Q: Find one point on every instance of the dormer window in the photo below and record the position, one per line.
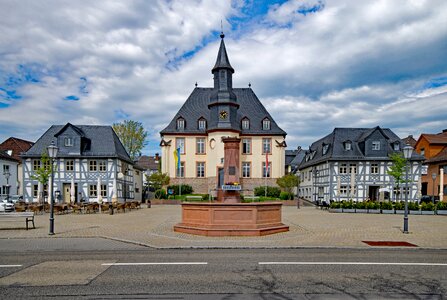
(202, 124)
(180, 123)
(375, 145)
(325, 148)
(68, 142)
(266, 124)
(347, 145)
(245, 124)
(396, 146)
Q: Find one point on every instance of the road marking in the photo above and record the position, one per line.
(155, 264)
(10, 266)
(348, 263)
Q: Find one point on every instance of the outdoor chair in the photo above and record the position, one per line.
(120, 207)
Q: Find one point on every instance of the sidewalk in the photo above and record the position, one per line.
(309, 227)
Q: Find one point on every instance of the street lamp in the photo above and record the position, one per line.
(433, 176)
(408, 151)
(52, 153)
(7, 175)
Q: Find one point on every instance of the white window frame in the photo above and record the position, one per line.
(68, 142)
(102, 166)
(246, 169)
(181, 123)
(180, 143)
(92, 190)
(69, 165)
(92, 166)
(200, 169)
(246, 146)
(266, 145)
(202, 124)
(374, 168)
(245, 124)
(375, 145)
(200, 145)
(269, 171)
(266, 124)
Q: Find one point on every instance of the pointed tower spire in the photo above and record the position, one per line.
(222, 60)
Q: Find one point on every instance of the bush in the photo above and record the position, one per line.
(441, 205)
(186, 189)
(399, 205)
(372, 205)
(360, 205)
(272, 191)
(347, 204)
(335, 204)
(427, 206)
(160, 194)
(285, 196)
(413, 206)
(387, 205)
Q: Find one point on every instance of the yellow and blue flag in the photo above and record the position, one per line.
(177, 157)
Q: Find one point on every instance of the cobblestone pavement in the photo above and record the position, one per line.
(309, 227)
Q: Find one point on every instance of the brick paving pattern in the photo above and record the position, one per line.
(309, 227)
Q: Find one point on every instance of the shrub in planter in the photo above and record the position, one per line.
(427, 206)
(272, 191)
(335, 205)
(347, 204)
(413, 206)
(186, 189)
(160, 194)
(441, 205)
(399, 205)
(386, 205)
(285, 196)
(372, 205)
(360, 205)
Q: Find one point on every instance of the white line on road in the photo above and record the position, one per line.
(155, 264)
(10, 266)
(348, 263)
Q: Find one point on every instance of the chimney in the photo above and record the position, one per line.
(157, 157)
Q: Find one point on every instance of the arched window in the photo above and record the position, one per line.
(201, 124)
(266, 124)
(180, 123)
(245, 124)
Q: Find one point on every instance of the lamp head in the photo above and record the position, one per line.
(52, 150)
(408, 151)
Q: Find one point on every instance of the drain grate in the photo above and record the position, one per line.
(389, 244)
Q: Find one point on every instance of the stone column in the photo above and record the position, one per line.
(441, 184)
(231, 167)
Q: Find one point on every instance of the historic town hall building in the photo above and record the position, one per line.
(222, 111)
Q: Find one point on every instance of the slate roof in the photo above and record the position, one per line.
(196, 106)
(148, 162)
(356, 136)
(103, 142)
(222, 60)
(410, 141)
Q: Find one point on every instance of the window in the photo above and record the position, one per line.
(348, 146)
(343, 169)
(396, 146)
(266, 146)
(375, 145)
(181, 172)
(245, 124)
(69, 165)
(246, 166)
(104, 190)
(266, 173)
(92, 191)
(36, 164)
(246, 146)
(266, 124)
(343, 190)
(180, 123)
(353, 168)
(180, 143)
(92, 166)
(200, 145)
(102, 166)
(423, 151)
(374, 168)
(325, 148)
(201, 169)
(6, 169)
(68, 142)
(202, 124)
(35, 190)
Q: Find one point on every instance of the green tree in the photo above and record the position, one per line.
(158, 180)
(397, 169)
(132, 135)
(43, 173)
(288, 183)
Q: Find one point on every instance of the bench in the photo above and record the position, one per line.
(197, 198)
(252, 198)
(13, 216)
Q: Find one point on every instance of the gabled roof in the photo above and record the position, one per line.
(148, 162)
(440, 157)
(196, 106)
(6, 156)
(17, 146)
(440, 138)
(357, 136)
(103, 143)
(75, 128)
(409, 140)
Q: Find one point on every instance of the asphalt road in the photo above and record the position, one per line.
(101, 269)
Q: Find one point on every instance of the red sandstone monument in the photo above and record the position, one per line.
(228, 216)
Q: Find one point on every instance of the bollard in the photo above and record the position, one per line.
(148, 203)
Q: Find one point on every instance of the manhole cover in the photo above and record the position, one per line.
(389, 244)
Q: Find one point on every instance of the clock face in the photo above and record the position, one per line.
(223, 114)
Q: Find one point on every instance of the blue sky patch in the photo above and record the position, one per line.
(71, 98)
(306, 9)
(435, 82)
(120, 114)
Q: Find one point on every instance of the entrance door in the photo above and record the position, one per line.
(424, 188)
(373, 192)
(220, 178)
(66, 192)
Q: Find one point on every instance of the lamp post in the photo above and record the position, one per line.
(7, 175)
(52, 153)
(433, 176)
(408, 151)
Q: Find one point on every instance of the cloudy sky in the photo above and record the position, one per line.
(315, 65)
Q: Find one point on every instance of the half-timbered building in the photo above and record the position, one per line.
(352, 164)
(91, 165)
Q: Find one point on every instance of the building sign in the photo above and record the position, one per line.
(424, 170)
(230, 187)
